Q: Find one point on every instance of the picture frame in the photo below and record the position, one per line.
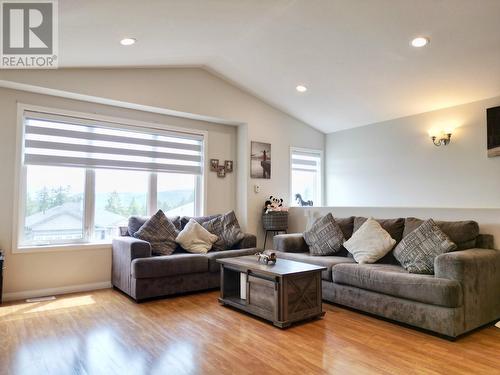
(228, 166)
(260, 160)
(214, 165)
(221, 172)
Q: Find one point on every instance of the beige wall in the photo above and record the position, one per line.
(32, 271)
(190, 90)
(395, 164)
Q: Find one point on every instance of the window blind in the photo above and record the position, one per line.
(306, 161)
(69, 141)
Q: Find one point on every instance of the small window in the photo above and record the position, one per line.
(306, 181)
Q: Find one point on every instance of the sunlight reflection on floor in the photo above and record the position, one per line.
(16, 311)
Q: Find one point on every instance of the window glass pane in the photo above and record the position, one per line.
(306, 179)
(118, 195)
(304, 183)
(176, 194)
(54, 205)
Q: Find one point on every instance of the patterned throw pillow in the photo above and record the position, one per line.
(324, 237)
(370, 242)
(417, 251)
(136, 222)
(227, 228)
(160, 232)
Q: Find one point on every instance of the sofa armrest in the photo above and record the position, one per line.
(124, 250)
(131, 247)
(484, 241)
(478, 271)
(249, 241)
(290, 243)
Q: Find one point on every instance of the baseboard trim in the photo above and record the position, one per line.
(56, 291)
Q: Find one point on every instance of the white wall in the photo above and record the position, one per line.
(190, 90)
(395, 164)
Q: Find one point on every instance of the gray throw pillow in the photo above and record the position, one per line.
(136, 222)
(417, 251)
(324, 237)
(160, 232)
(227, 228)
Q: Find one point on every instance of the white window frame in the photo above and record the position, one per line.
(20, 179)
(321, 173)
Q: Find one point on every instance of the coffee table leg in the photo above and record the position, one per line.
(282, 324)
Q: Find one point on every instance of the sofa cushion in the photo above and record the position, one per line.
(417, 251)
(326, 261)
(200, 219)
(227, 228)
(463, 233)
(212, 256)
(346, 224)
(160, 232)
(170, 265)
(324, 237)
(370, 242)
(395, 281)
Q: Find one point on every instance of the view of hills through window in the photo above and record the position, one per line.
(55, 201)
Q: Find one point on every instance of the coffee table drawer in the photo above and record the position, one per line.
(262, 295)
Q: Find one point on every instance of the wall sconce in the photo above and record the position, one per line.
(443, 140)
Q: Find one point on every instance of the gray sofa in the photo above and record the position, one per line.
(463, 294)
(138, 273)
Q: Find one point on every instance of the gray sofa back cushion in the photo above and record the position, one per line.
(346, 225)
(463, 233)
(394, 227)
(200, 219)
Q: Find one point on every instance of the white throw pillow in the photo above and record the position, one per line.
(196, 239)
(370, 242)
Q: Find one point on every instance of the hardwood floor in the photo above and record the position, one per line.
(104, 332)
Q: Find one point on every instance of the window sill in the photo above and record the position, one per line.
(63, 248)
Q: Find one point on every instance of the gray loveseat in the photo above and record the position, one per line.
(463, 294)
(141, 275)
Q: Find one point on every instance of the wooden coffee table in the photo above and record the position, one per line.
(283, 293)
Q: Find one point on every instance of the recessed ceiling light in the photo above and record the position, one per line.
(301, 88)
(420, 42)
(127, 41)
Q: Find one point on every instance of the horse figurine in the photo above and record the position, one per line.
(302, 202)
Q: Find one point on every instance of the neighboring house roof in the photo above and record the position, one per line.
(70, 216)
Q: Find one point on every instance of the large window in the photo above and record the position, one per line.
(81, 179)
(305, 176)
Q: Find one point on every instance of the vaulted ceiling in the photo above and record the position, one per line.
(354, 56)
